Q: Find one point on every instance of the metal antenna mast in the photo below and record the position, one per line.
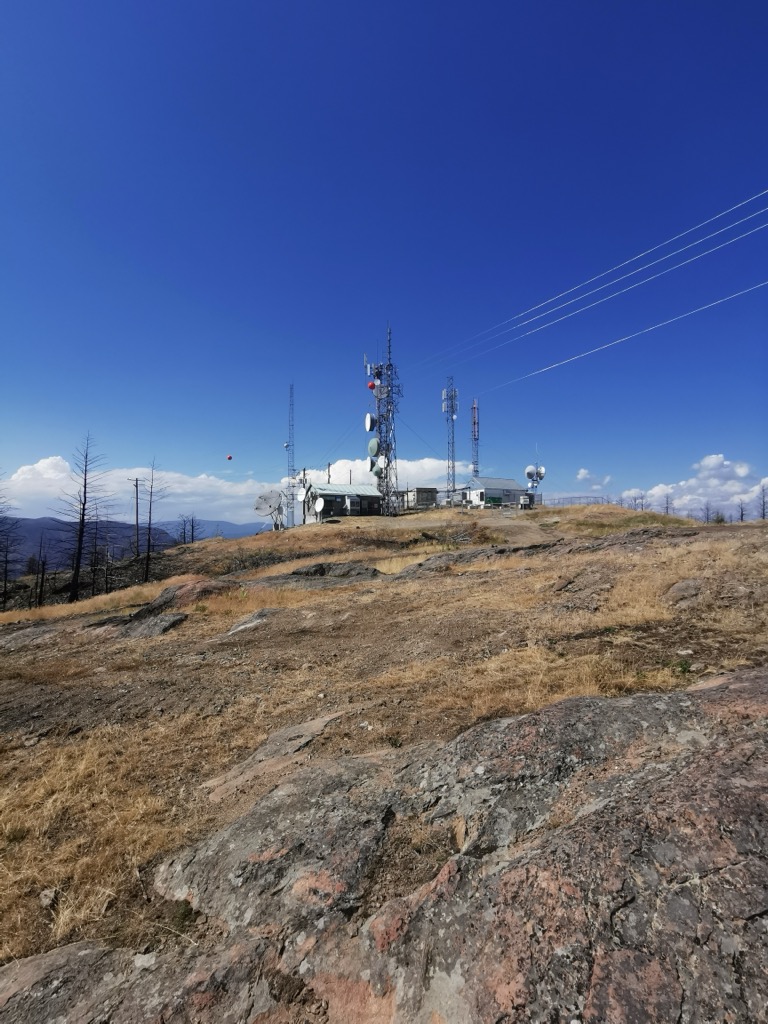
(475, 438)
(291, 492)
(382, 451)
(451, 409)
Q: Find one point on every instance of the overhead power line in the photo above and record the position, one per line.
(619, 266)
(627, 337)
(613, 295)
(638, 270)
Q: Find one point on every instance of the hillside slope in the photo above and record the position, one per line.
(135, 723)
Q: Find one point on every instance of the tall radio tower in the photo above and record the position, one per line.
(451, 410)
(475, 438)
(291, 492)
(382, 450)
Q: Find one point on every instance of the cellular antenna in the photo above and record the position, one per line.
(475, 438)
(382, 450)
(451, 410)
(289, 447)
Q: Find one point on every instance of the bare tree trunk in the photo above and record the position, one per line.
(82, 505)
(153, 493)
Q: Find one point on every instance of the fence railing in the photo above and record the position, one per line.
(585, 499)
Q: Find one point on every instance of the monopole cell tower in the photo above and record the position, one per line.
(382, 449)
(451, 410)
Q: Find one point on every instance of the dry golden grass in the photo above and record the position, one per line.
(82, 817)
(246, 600)
(424, 656)
(597, 520)
(117, 601)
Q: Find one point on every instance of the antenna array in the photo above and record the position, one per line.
(382, 450)
(451, 410)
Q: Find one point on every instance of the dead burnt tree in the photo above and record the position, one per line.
(83, 505)
(196, 530)
(181, 536)
(190, 529)
(42, 565)
(10, 544)
(153, 492)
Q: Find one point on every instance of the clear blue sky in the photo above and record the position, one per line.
(202, 202)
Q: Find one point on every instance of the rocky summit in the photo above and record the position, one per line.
(600, 861)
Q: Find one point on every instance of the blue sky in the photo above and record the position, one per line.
(202, 203)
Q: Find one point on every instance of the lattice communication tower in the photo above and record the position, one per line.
(451, 410)
(382, 449)
(475, 438)
(290, 493)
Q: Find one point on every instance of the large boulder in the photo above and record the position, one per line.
(601, 861)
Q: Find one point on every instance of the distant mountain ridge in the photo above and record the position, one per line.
(53, 539)
(216, 528)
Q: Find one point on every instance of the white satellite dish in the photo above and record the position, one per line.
(319, 504)
(530, 472)
(370, 422)
(301, 494)
(541, 472)
(373, 447)
(267, 503)
(271, 504)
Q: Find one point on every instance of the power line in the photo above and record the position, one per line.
(619, 266)
(605, 298)
(423, 440)
(638, 270)
(627, 337)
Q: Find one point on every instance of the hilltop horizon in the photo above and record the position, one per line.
(724, 483)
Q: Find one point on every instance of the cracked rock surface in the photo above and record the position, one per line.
(600, 861)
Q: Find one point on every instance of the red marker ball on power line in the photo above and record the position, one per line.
(371, 385)
(229, 458)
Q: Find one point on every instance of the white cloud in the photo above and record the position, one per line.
(36, 490)
(596, 482)
(410, 472)
(722, 483)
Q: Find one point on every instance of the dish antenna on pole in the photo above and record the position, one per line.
(271, 504)
(535, 474)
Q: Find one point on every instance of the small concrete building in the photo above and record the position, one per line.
(489, 491)
(418, 497)
(330, 501)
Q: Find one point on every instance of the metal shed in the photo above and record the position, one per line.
(485, 491)
(327, 501)
(418, 497)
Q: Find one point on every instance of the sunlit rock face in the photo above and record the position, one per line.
(598, 861)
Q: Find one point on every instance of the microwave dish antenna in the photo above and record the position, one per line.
(271, 505)
(535, 474)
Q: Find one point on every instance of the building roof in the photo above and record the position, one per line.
(346, 490)
(494, 483)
